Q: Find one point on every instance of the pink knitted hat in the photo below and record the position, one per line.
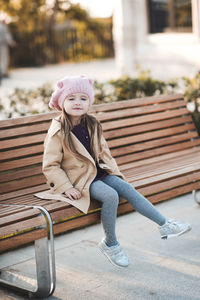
(71, 85)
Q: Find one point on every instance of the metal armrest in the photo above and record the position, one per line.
(194, 192)
(45, 264)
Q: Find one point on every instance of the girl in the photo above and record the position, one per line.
(77, 163)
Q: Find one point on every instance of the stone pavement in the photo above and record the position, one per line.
(159, 269)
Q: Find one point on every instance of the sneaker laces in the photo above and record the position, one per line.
(174, 224)
(116, 251)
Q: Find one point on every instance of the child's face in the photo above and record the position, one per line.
(77, 104)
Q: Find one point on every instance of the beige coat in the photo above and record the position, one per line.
(63, 170)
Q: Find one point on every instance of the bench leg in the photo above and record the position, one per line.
(45, 267)
(194, 193)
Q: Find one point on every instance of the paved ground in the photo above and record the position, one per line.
(159, 270)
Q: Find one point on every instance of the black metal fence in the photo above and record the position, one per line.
(67, 44)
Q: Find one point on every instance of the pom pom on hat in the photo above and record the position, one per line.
(71, 85)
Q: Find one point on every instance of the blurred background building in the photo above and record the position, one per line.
(149, 29)
(154, 34)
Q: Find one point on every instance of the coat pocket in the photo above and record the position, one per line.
(71, 164)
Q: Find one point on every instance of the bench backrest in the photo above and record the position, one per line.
(135, 130)
(147, 127)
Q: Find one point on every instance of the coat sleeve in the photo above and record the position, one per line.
(56, 177)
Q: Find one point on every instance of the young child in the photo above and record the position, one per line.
(77, 163)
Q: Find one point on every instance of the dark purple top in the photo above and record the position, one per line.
(82, 134)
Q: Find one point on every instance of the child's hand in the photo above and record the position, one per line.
(73, 194)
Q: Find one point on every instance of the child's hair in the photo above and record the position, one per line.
(90, 123)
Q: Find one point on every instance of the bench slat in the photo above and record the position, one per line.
(152, 176)
(22, 215)
(23, 183)
(171, 123)
(163, 177)
(148, 109)
(27, 140)
(142, 177)
(21, 226)
(23, 162)
(163, 186)
(18, 174)
(15, 153)
(24, 130)
(143, 119)
(166, 164)
(27, 191)
(28, 120)
(181, 190)
(11, 212)
(151, 144)
(165, 157)
(152, 135)
(31, 200)
(7, 215)
(20, 240)
(135, 102)
(156, 152)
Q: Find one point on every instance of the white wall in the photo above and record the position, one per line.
(196, 17)
(131, 38)
(129, 31)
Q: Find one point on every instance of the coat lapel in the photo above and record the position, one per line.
(55, 126)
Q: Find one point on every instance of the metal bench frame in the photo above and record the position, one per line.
(197, 200)
(45, 263)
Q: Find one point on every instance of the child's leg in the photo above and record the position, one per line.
(109, 199)
(140, 203)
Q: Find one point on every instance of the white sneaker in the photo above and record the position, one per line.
(115, 254)
(172, 228)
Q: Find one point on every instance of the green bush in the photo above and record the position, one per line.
(192, 95)
(25, 102)
(129, 88)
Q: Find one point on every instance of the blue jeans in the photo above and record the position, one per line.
(108, 191)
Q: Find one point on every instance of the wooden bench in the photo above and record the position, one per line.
(155, 144)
